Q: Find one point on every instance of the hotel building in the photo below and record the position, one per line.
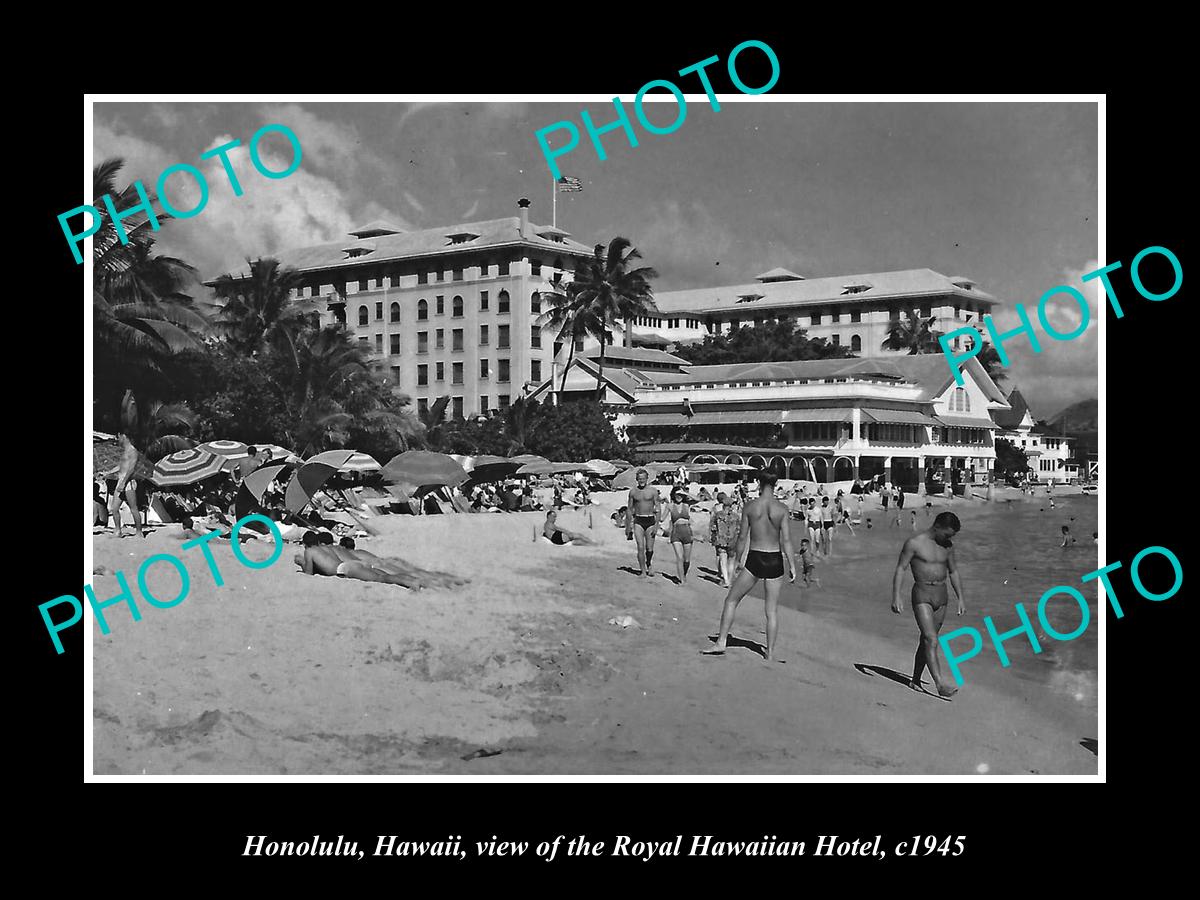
(445, 311)
(1050, 456)
(827, 420)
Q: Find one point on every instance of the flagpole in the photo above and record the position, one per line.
(553, 202)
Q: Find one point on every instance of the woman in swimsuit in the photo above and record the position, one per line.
(680, 513)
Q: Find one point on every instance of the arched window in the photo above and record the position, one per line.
(422, 308)
(456, 307)
(960, 400)
(535, 302)
(395, 312)
(502, 302)
(856, 343)
(364, 315)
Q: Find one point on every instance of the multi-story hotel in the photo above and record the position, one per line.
(826, 420)
(445, 311)
(855, 311)
(1050, 456)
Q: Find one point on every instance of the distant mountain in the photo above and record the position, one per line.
(1083, 416)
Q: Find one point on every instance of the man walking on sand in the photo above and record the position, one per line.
(930, 554)
(764, 526)
(644, 512)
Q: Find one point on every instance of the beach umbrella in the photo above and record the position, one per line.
(467, 462)
(529, 459)
(492, 468)
(227, 449)
(257, 481)
(628, 478)
(186, 467)
(423, 467)
(360, 462)
(601, 467)
(310, 476)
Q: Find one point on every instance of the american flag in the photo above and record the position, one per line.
(566, 183)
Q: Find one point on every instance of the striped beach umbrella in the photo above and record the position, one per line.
(422, 468)
(230, 449)
(310, 476)
(361, 462)
(601, 467)
(186, 467)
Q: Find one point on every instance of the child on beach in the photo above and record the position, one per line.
(808, 563)
(1067, 537)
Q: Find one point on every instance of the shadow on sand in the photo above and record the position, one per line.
(893, 675)
(732, 642)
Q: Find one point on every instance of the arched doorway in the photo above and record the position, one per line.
(820, 468)
(734, 459)
(778, 466)
(798, 469)
(843, 469)
(704, 459)
(757, 462)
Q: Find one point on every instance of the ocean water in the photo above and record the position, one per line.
(1007, 553)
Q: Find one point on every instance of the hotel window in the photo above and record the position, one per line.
(483, 269)
(578, 344)
(893, 314)
(422, 376)
(535, 337)
(502, 269)
(836, 317)
(379, 343)
(439, 275)
(535, 267)
(422, 341)
(441, 304)
(312, 291)
(362, 284)
(458, 276)
(535, 370)
(378, 312)
(502, 302)
(856, 315)
(422, 310)
(456, 307)
(837, 340)
(926, 312)
(483, 368)
(364, 315)
(422, 278)
(502, 341)
(502, 375)
(458, 407)
(535, 302)
(395, 312)
(816, 318)
(456, 373)
(856, 343)
(483, 404)
(503, 401)
(483, 335)
(441, 371)
(395, 375)
(396, 280)
(441, 338)
(483, 301)
(395, 344)
(456, 339)
(423, 404)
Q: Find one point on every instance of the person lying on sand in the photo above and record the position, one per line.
(320, 559)
(560, 536)
(397, 566)
(930, 554)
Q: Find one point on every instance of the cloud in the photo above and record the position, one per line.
(1064, 372)
(301, 210)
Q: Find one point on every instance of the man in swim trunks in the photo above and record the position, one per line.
(930, 554)
(764, 527)
(644, 512)
(560, 536)
(827, 523)
(323, 559)
(126, 489)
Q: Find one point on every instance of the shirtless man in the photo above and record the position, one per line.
(931, 556)
(644, 511)
(126, 488)
(397, 566)
(556, 535)
(765, 527)
(323, 559)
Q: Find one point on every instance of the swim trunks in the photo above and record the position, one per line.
(681, 533)
(939, 598)
(341, 569)
(645, 522)
(558, 538)
(765, 563)
(827, 524)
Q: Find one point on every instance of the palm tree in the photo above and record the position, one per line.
(258, 308)
(519, 422)
(990, 360)
(914, 334)
(140, 310)
(433, 417)
(153, 428)
(573, 318)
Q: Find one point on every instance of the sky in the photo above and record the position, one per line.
(1005, 194)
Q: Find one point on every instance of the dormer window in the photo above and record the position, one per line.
(462, 237)
(856, 287)
(749, 298)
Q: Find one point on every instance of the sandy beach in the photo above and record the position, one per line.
(276, 672)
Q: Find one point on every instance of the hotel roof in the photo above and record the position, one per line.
(815, 291)
(637, 354)
(386, 247)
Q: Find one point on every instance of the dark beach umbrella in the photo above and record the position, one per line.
(187, 467)
(492, 468)
(309, 478)
(422, 468)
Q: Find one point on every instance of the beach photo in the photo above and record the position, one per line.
(424, 444)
